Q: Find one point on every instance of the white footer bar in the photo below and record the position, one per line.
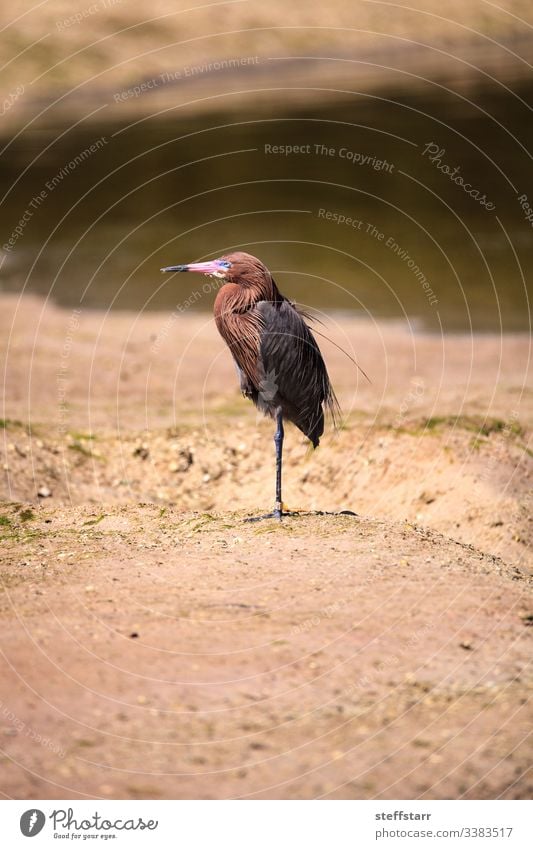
(268, 824)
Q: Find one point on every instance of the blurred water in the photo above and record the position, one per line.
(97, 224)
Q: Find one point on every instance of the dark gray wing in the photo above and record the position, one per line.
(292, 371)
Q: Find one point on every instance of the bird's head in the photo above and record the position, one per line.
(239, 267)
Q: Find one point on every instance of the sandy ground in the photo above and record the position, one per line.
(156, 645)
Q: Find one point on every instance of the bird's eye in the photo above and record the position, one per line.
(225, 263)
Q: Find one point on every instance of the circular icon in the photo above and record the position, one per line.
(32, 822)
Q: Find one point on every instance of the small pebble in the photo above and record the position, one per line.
(142, 451)
(106, 789)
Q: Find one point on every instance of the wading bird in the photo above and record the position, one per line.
(278, 360)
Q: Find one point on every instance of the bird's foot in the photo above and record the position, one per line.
(279, 512)
(334, 513)
(276, 514)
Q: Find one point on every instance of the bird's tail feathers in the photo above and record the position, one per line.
(311, 448)
(333, 408)
(346, 354)
(315, 319)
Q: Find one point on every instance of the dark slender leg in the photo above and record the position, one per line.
(278, 509)
(278, 442)
(277, 513)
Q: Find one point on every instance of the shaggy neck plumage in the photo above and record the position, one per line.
(239, 297)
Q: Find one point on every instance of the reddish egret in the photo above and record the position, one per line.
(278, 360)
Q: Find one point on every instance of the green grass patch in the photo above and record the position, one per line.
(6, 424)
(81, 449)
(92, 522)
(10, 523)
(78, 435)
(84, 450)
(475, 424)
(198, 522)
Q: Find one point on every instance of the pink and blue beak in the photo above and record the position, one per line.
(214, 266)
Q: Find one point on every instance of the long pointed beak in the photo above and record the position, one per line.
(210, 267)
